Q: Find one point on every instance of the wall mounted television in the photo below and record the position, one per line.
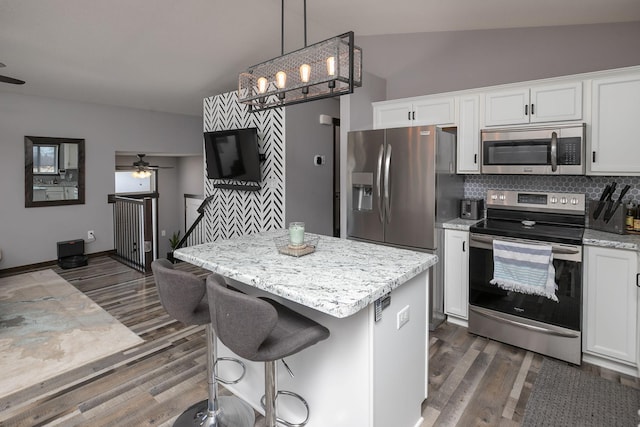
(232, 154)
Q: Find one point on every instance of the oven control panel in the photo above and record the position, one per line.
(536, 201)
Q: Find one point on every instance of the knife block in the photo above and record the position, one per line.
(616, 223)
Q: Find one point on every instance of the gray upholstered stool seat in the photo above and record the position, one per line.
(183, 296)
(261, 330)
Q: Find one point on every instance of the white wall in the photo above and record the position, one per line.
(29, 235)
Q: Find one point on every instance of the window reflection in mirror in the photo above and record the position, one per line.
(54, 171)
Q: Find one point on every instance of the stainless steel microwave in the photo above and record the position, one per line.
(554, 150)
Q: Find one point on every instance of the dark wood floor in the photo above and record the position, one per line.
(472, 381)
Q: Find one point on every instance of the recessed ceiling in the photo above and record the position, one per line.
(167, 55)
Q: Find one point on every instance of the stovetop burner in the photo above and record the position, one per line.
(540, 231)
(550, 217)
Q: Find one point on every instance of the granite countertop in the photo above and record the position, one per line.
(340, 278)
(611, 240)
(460, 224)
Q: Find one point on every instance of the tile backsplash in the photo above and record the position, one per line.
(476, 186)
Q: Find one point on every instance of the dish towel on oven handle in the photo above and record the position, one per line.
(524, 268)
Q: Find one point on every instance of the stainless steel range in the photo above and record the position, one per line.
(533, 322)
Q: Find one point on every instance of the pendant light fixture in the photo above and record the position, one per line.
(329, 68)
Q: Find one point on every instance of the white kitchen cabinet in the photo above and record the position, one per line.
(547, 103)
(55, 193)
(468, 140)
(610, 304)
(70, 153)
(456, 273)
(417, 112)
(615, 140)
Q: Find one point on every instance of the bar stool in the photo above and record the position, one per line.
(262, 330)
(183, 296)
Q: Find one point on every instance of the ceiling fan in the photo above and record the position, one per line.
(11, 80)
(141, 168)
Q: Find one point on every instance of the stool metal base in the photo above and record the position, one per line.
(232, 412)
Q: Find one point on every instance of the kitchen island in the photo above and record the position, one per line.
(369, 373)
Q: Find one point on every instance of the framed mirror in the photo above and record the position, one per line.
(53, 171)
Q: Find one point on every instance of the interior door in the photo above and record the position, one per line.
(410, 206)
(365, 150)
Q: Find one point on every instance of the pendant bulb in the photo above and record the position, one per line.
(305, 73)
(262, 85)
(281, 79)
(331, 65)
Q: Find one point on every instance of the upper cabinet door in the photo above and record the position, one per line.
(469, 135)
(434, 111)
(510, 107)
(392, 115)
(418, 112)
(615, 140)
(556, 103)
(549, 103)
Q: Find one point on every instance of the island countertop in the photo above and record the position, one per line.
(340, 278)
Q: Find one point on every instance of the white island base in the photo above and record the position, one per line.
(366, 374)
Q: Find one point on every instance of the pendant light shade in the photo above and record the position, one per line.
(329, 68)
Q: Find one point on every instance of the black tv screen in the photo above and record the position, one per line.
(232, 154)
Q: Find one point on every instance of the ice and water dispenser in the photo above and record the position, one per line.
(362, 191)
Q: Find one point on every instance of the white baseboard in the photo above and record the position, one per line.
(610, 364)
(457, 321)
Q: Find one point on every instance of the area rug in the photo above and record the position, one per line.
(566, 396)
(48, 327)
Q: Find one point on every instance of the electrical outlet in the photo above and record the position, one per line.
(91, 235)
(402, 317)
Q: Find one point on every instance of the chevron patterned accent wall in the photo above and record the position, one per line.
(235, 213)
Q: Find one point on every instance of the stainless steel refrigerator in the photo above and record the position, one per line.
(401, 187)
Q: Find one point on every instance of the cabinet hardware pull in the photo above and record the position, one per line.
(593, 156)
(526, 110)
(414, 115)
(638, 280)
(532, 113)
(408, 115)
(463, 249)
(475, 159)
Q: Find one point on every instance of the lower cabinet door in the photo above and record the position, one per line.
(456, 273)
(610, 316)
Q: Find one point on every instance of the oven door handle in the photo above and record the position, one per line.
(524, 325)
(481, 238)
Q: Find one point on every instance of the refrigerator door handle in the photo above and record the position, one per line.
(379, 183)
(387, 183)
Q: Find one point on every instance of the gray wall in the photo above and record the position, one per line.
(309, 194)
(29, 235)
(429, 63)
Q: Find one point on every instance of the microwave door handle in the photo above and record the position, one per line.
(379, 183)
(554, 151)
(387, 183)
